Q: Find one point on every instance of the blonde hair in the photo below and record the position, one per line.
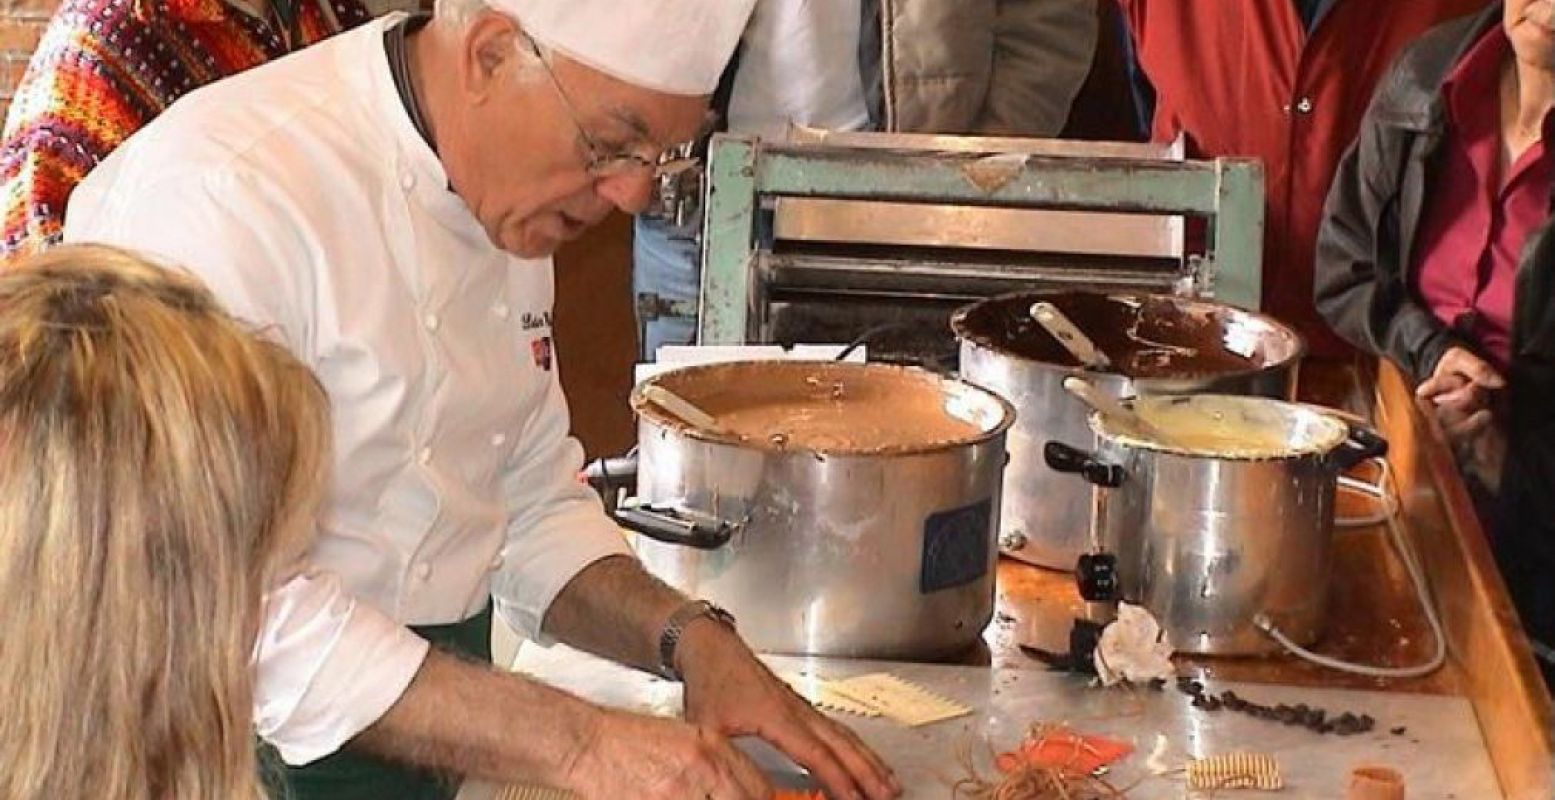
(159, 468)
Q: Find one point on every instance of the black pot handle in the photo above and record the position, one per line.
(1363, 443)
(676, 526)
(1063, 458)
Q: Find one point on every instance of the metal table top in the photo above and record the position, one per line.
(1440, 753)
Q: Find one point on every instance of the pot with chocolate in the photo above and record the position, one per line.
(835, 509)
(1151, 345)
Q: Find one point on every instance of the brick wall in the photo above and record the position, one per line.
(21, 22)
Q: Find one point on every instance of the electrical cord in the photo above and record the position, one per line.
(871, 333)
(1383, 491)
(1387, 506)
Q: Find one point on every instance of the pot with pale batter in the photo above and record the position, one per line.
(1223, 515)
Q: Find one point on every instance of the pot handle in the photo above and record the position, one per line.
(678, 526)
(1363, 443)
(1063, 458)
(605, 475)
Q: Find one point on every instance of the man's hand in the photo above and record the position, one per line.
(629, 755)
(731, 692)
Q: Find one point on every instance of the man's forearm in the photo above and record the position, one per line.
(474, 720)
(615, 609)
(471, 719)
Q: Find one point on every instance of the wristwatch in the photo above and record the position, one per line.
(669, 638)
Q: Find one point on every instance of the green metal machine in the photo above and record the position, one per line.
(818, 240)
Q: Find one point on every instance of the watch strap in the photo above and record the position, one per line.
(675, 627)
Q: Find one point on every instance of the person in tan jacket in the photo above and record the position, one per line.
(1008, 67)
(996, 67)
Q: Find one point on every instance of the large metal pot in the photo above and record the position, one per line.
(1224, 517)
(1159, 345)
(854, 508)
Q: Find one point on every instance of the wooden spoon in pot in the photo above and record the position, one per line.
(1068, 334)
(1109, 407)
(680, 407)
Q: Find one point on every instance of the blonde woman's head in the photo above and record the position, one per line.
(159, 469)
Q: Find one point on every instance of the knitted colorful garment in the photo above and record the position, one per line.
(104, 68)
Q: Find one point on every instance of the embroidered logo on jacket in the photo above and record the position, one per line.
(541, 350)
(532, 320)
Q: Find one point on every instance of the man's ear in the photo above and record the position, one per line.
(490, 42)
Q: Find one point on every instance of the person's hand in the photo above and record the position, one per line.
(1478, 442)
(1461, 393)
(1461, 389)
(630, 755)
(729, 690)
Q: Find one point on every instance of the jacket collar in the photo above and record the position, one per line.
(417, 168)
(1411, 96)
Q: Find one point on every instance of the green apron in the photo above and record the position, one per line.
(352, 776)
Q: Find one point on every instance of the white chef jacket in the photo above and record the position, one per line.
(304, 197)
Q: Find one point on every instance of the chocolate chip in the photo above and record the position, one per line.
(1399, 731)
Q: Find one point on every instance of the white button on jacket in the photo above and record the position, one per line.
(282, 188)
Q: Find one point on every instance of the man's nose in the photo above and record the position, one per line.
(631, 191)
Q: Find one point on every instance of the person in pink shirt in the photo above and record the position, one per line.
(1434, 253)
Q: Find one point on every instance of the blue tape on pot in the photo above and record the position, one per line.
(956, 545)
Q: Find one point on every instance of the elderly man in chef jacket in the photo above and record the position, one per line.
(386, 203)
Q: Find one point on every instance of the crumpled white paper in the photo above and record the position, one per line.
(1134, 649)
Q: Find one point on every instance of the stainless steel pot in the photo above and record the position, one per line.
(1210, 537)
(877, 544)
(1159, 345)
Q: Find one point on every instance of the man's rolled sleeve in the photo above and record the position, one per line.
(327, 667)
(560, 527)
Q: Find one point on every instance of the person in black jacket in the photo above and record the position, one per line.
(1436, 252)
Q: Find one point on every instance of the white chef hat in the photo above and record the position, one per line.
(671, 46)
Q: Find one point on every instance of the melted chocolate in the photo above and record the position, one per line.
(1144, 335)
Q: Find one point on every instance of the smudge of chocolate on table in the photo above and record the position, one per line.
(1129, 329)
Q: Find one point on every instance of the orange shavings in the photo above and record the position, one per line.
(1061, 749)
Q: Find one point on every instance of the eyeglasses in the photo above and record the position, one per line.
(603, 163)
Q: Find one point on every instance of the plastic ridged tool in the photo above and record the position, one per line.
(1235, 771)
(819, 692)
(900, 700)
(522, 792)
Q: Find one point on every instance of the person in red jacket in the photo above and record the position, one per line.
(1286, 81)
